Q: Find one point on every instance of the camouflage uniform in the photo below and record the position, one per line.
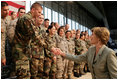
(4, 24)
(62, 44)
(7, 44)
(11, 30)
(43, 27)
(24, 33)
(37, 59)
(9, 39)
(88, 44)
(84, 49)
(78, 49)
(49, 62)
(71, 49)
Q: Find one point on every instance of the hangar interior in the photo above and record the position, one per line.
(82, 15)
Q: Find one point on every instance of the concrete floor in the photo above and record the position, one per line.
(86, 76)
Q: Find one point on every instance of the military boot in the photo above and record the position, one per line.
(52, 76)
(70, 76)
(40, 76)
(81, 71)
(76, 74)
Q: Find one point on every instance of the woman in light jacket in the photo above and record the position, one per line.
(101, 59)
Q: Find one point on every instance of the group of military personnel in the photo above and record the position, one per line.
(30, 42)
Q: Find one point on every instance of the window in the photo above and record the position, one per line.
(64, 20)
(55, 16)
(69, 22)
(61, 19)
(49, 15)
(77, 26)
(86, 28)
(81, 27)
(45, 14)
(73, 24)
(89, 32)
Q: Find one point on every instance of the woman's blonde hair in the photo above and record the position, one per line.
(102, 33)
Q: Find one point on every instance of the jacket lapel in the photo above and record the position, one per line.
(99, 53)
(92, 54)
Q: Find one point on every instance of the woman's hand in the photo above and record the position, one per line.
(57, 51)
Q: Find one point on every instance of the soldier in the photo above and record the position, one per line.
(71, 49)
(84, 49)
(78, 50)
(4, 23)
(26, 30)
(45, 25)
(62, 44)
(74, 33)
(66, 27)
(78, 31)
(13, 15)
(87, 40)
(50, 59)
(21, 11)
(11, 28)
(10, 35)
(37, 51)
(88, 44)
(56, 25)
(52, 23)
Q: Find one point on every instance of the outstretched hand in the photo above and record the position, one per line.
(3, 61)
(57, 51)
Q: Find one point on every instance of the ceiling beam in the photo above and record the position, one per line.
(91, 8)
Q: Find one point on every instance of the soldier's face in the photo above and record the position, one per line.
(37, 12)
(83, 37)
(4, 11)
(14, 16)
(72, 34)
(41, 19)
(67, 27)
(21, 12)
(57, 26)
(52, 30)
(68, 34)
(77, 36)
(46, 23)
(78, 31)
(61, 32)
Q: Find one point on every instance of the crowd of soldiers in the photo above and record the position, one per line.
(28, 41)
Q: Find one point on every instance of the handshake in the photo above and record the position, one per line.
(57, 51)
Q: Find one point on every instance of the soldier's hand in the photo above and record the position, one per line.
(54, 58)
(3, 61)
(59, 52)
(53, 50)
(2, 30)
